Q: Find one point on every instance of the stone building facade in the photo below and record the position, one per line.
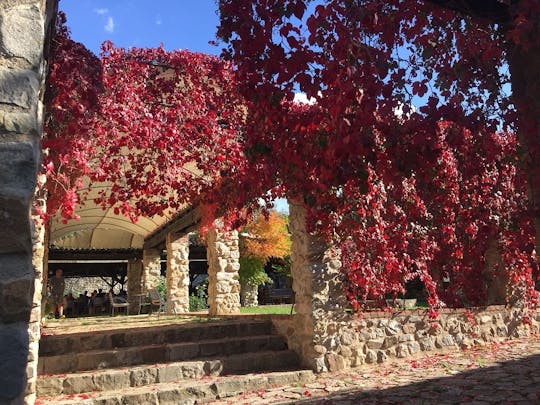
(24, 27)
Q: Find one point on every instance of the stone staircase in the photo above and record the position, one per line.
(187, 363)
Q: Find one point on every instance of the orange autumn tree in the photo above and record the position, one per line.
(262, 238)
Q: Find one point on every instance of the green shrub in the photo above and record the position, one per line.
(252, 271)
(162, 287)
(198, 301)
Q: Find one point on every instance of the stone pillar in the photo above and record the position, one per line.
(134, 284)
(177, 274)
(249, 295)
(151, 268)
(223, 265)
(495, 275)
(23, 28)
(39, 259)
(319, 298)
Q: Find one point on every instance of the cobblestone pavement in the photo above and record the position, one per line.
(503, 373)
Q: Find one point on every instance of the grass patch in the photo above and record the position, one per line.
(267, 309)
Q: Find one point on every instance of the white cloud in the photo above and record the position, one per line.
(109, 27)
(301, 98)
(101, 11)
(159, 21)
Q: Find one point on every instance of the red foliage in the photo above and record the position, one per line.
(161, 128)
(420, 193)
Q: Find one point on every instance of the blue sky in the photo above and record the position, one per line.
(178, 24)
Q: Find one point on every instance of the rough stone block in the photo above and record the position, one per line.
(413, 347)
(15, 236)
(16, 300)
(375, 343)
(345, 351)
(174, 396)
(18, 87)
(348, 337)
(21, 32)
(427, 344)
(393, 328)
(137, 398)
(169, 373)
(485, 319)
(371, 357)
(228, 387)
(406, 338)
(444, 341)
(19, 122)
(381, 357)
(390, 341)
(143, 376)
(335, 362)
(50, 386)
(183, 351)
(79, 383)
(409, 328)
(13, 358)
(112, 380)
(402, 350)
(213, 367)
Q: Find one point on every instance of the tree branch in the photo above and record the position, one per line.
(493, 10)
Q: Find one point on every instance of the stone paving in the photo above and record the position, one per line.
(505, 373)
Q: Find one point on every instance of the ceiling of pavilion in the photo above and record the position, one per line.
(103, 229)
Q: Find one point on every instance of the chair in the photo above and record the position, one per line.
(117, 302)
(157, 301)
(143, 301)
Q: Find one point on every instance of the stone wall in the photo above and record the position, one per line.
(134, 285)
(78, 285)
(378, 336)
(327, 338)
(151, 268)
(223, 265)
(177, 274)
(23, 28)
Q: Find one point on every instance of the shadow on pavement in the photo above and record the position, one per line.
(509, 382)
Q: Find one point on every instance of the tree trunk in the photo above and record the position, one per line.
(525, 67)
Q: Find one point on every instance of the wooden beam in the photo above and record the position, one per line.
(56, 254)
(185, 222)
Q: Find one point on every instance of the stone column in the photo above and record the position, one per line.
(319, 298)
(249, 295)
(495, 275)
(23, 28)
(134, 284)
(151, 268)
(223, 265)
(177, 273)
(39, 259)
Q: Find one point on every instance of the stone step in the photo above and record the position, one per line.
(160, 353)
(171, 381)
(111, 339)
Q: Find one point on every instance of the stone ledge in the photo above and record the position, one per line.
(211, 387)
